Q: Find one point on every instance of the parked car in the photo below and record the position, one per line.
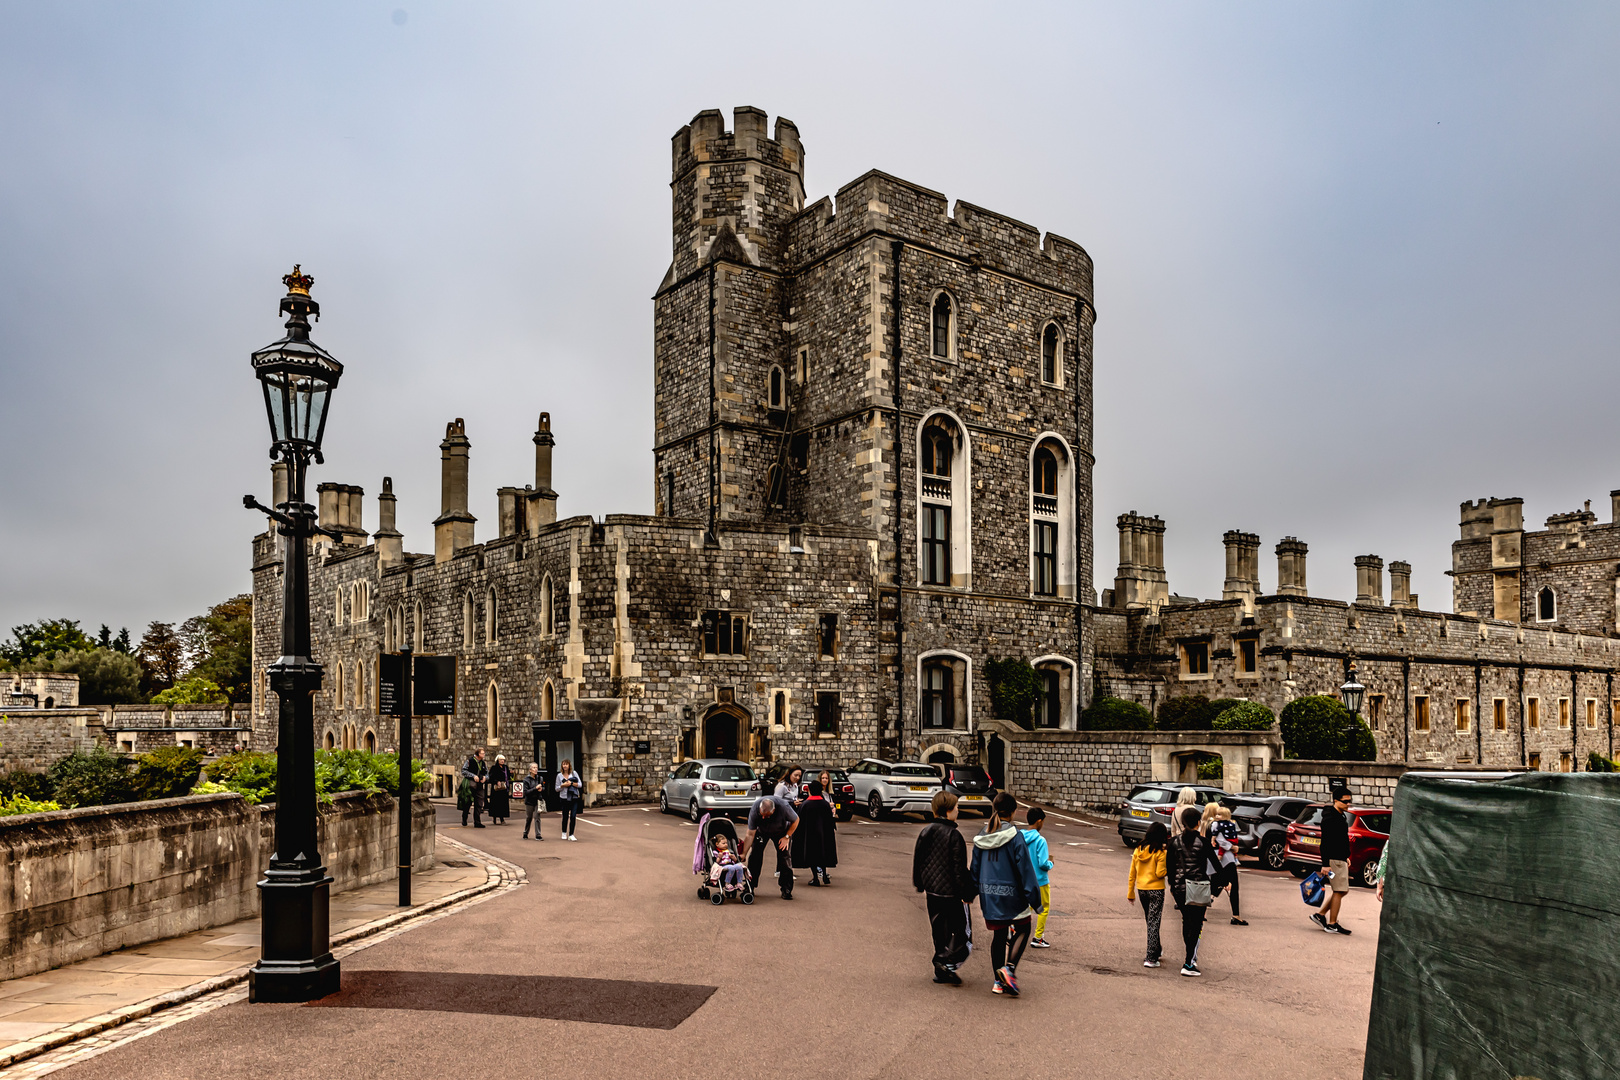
(709, 786)
(1262, 823)
(897, 787)
(970, 784)
(1148, 803)
(1369, 832)
(842, 794)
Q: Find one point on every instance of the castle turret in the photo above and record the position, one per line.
(1291, 567)
(1242, 567)
(734, 191)
(542, 500)
(390, 542)
(1369, 580)
(453, 528)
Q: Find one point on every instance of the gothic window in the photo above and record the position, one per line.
(467, 623)
(547, 625)
(371, 741)
(944, 512)
(827, 636)
(776, 396)
(1044, 475)
(1052, 571)
(491, 623)
(337, 687)
(492, 719)
(330, 740)
(337, 607)
(1051, 355)
(937, 451)
(944, 326)
(936, 544)
(803, 372)
(418, 633)
(725, 633)
(1546, 605)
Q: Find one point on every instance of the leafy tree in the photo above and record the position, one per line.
(1190, 712)
(106, 676)
(161, 656)
(1115, 714)
(1245, 716)
(106, 640)
(1014, 689)
(1320, 728)
(224, 639)
(121, 642)
(167, 772)
(46, 638)
(96, 778)
(192, 691)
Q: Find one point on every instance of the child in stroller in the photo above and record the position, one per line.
(716, 861)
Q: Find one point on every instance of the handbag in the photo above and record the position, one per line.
(1198, 893)
(1312, 888)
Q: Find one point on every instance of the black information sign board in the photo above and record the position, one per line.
(435, 686)
(643, 746)
(390, 684)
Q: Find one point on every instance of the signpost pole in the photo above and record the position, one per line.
(406, 768)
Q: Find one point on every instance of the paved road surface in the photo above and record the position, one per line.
(835, 983)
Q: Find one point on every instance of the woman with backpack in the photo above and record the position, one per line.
(1009, 893)
(1187, 862)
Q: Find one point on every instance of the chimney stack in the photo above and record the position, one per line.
(543, 500)
(1369, 580)
(326, 508)
(1400, 585)
(514, 509)
(278, 484)
(1140, 580)
(453, 528)
(390, 543)
(1242, 568)
(1291, 567)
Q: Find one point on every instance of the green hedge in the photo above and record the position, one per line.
(1115, 714)
(1245, 716)
(1320, 728)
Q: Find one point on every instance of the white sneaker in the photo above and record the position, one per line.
(1150, 963)
(571, 836)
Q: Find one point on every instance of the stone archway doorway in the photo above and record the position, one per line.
(724, 728)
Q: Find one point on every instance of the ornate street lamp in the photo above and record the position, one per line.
(295, 959)
(1351, 693)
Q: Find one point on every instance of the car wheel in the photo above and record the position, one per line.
(1366, 874)
(695, 812)
(1273, 855)
(874, 807)
(1297, 871)
(663, 802)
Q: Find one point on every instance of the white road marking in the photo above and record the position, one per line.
(588, 821)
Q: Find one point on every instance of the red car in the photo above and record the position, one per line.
(1369, 832)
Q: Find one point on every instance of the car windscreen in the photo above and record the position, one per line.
(1249, 813)
(1376, 822)
(730, 773)
(915, 770)
(1152, 795)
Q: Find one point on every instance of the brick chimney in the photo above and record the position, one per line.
(1291, 567)
(453, 528)
(1369, 580)
(390, 543)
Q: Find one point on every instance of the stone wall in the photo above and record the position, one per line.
(78, 883)
(1371, 782)
(32, 740)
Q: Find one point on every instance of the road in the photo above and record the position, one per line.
(835, 983)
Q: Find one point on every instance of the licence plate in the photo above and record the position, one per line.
(974, 798)
(1311, 841)
(735, 793)
(919, 787)
(1141, 813)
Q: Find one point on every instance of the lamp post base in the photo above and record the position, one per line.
(296, 961)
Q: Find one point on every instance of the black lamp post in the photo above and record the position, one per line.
(295, 961)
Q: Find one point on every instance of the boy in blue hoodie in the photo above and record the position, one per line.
(1009, 898)
(1041, 857)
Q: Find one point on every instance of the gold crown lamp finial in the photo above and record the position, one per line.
(297, 283)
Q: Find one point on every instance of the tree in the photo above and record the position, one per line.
(106, 676)
(161, 657)
(105, 639)
(226, 641)
(121, 642)
(192, 691)
(1014, 689)
(1320, 728)
(46, 638)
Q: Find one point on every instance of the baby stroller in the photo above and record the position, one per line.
(738, 887)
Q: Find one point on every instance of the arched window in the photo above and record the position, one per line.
(776, 396)
(337, 607)
(937, 450)
(1051, 355)
(944, 684)
(937, 697)
(1044, 474)
(944, 491)
(361, 699)
(330, 740)
(493, 721)
(467, 638)
(418, 634)
(547, 624)
(548, 703)
(944, 326)
(1051, 524)
(491, 621)
(337, 687)
(1055, 706)
(371, 741)
(1546, 605)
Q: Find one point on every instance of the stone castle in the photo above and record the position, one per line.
(873, 474)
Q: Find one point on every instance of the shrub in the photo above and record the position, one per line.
(1211, 769)
(249, 773)
(1245, 716)
(1190, 712)
(1115, 714)
(1014, 689)
(21, 804)
(193, 691)
(28, 785)
(167, 772)
(252, 775)
(97, 778)
(1596, 762)
(1320, 728)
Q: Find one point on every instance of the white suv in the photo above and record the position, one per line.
(885, 787)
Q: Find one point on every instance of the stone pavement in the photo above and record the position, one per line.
(607, 965)
(64, 1007)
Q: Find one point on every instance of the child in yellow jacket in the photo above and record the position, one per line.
(1147, 878)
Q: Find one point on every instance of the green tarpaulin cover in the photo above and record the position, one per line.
(1499, 952)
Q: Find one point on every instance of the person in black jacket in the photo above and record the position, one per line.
(1335, 861)
(939, 869)
(1189, 859)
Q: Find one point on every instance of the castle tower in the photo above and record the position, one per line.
(737, 189)
(453, 528)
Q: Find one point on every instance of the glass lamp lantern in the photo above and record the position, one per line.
(298, 377)
(1351, 694)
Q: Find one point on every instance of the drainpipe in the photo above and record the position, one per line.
(1523, 755)
(1080, 527)
(1406, 708)
(714, 417)
(1479, 719)
(897, 247)
(1611, 714)
(1574, 722)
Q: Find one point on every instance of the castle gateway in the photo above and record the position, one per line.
(873, 445)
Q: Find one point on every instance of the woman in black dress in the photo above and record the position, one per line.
(500, 791)
(815, 841)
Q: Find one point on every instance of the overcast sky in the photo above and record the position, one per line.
(1355, 263)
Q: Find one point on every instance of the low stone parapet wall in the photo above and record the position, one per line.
(79, 883)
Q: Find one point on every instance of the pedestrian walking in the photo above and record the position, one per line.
(771, 820)
(815, 842)
(939, 870)
(475, 773)
(1223, 836)
(1147, 881)
(1004, 879)
(500, 791)
(533, 801)
(569, 794)
(1187, 865)
(791, 786)
(1041, 857)
(1336, 861)
(1187, 796)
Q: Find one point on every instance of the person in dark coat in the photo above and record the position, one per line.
(939, 869)
(815, 844)
(473, 774)
(1188, 859)
(500, 791)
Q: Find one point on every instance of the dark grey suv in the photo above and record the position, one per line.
(1263, 826)
(1148, 803)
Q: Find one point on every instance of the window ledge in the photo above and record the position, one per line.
(826, 734)
(1196, 678)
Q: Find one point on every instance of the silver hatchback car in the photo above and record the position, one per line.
(709, 786)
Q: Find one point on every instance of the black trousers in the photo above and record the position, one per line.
(947, 919)
(477, 805)
(1228, 876)
(570, 814)
(784, 864)
(1192, 924)
(1007, 944)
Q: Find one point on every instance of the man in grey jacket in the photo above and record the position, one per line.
(475, 772)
